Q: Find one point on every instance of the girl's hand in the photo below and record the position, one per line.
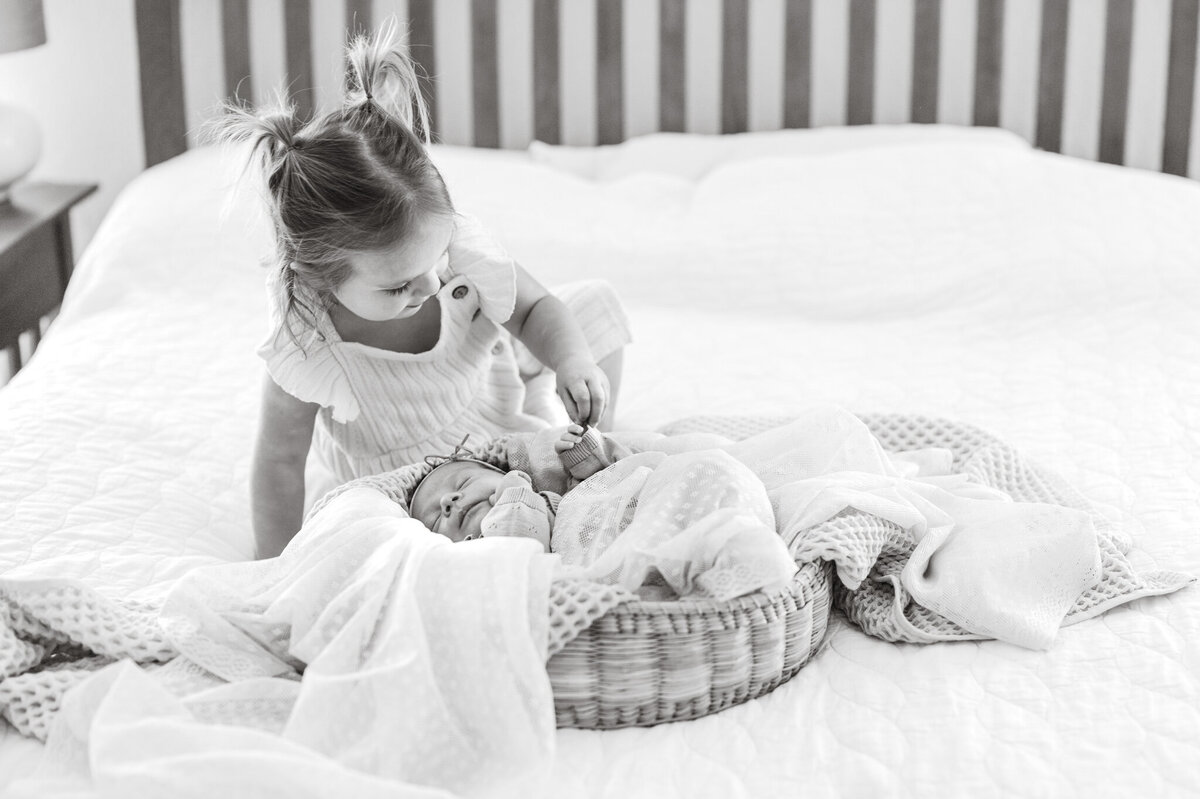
(570, 437)
(583, 388)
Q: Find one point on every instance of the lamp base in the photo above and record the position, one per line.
(20, 147)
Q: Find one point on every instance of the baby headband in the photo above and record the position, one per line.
(460, 455)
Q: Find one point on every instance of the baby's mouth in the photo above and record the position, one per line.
(473, 516)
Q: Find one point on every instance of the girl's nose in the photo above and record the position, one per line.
(449, 500)
(428, 284)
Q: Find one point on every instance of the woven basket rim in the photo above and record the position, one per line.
(799, 589)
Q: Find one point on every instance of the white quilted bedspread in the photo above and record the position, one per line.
(1049, 301)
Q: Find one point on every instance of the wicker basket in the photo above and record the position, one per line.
(645, 663)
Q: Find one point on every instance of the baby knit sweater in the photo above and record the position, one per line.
(529, 513)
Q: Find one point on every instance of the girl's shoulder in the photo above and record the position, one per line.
(298, 352)
(476, 256)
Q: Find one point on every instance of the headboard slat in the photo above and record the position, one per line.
(989, 64)
(610, 90)
(1052, 74)
(359, 16)
(1118, 46)
(735, 54)
(797, 64)
(927, 31)
(672, 65)
(235, 32)
(1181, 85)
(860, 82)
(420, 45)
(297, 33)
(164, 120)
(485, 74)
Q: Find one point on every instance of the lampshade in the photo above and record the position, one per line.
(21, 25)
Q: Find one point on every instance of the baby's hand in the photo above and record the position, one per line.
(570, 437)
(513, 479)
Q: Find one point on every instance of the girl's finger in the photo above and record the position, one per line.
(583, 402)
(569, 403)
(598, 402)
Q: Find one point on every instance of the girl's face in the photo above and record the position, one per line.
(394, 282)
(454, 498)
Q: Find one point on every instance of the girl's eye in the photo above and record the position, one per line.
(397, 290)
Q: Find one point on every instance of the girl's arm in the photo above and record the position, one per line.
(544, 324)
(285, 428)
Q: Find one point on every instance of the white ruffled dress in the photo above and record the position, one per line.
(381, 410)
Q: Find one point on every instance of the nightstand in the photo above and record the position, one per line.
(36, 258)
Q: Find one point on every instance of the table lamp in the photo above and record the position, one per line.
(22, 26)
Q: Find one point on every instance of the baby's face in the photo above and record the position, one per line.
(453, 499)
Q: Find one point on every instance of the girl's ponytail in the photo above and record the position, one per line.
(381, 79)
(271, 132)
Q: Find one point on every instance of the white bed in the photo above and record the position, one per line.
(936, 271)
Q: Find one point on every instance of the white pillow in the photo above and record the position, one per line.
(692, 155)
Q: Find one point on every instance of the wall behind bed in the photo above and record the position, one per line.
(1110, 80)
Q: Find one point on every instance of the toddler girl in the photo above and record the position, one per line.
(389, 309)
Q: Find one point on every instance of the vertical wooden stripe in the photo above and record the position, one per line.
(200, 53)
(1084, 85)
(989, 44)
(514, 50)
(640, 67)
(927, 26)
(610, 101)
(831, 48)
(860, 64)
(420, 47)
(735, 54)
(893, 62)
(1018, 95)
(327, 49)
(703, 81)
(956, 67)
(1181, 79)
(297, 32)
(485, 71)
(359, 19)
(1052, 74)
(547, 126)
(1145, 114)
(577, 71)
(452, 43)
(1117, 44)
(764, 65)
(797, 64)
(164, 120)
(268, 62)
(672, 65)
(235, 29)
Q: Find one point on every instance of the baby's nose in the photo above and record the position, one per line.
(449, 500)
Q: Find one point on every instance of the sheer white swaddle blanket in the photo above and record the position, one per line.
(425, 674)
(998, 568)
(699, 521)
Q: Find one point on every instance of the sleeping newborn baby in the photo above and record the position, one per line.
(695, 523)
(468, 499)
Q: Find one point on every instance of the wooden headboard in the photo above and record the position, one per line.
(1111, 80)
